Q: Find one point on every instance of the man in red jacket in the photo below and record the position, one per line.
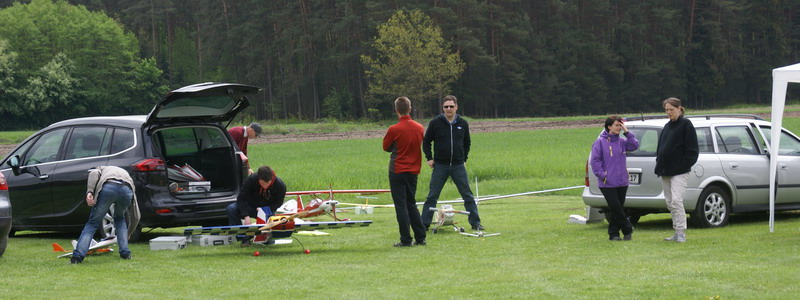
(403, 140)
(242, 134)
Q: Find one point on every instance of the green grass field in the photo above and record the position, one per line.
(538, 255)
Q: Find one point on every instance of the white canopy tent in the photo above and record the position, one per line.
(780, 79)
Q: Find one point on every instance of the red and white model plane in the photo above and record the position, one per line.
(267, 230)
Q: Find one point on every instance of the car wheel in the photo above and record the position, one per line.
(107, 227)
(713, 208)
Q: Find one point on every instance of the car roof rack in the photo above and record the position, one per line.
(739, 116)
(707, 117)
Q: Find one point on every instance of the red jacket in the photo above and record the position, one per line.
(403, 140)
(240, 137)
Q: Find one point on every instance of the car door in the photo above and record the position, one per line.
(743, 164)
(87, 147)
(29, 186)
(788, 166)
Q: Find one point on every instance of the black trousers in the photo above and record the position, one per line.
(404, 189)
(617, 219)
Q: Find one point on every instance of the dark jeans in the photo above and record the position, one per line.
(404, 187)
(112, 193)
(617, 220)
(438, 178)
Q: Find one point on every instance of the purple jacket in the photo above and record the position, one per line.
(608, 158)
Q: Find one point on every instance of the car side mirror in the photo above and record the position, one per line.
(13, 162)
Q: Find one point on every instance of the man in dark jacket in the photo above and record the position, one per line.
(449, 134)
(260, 189)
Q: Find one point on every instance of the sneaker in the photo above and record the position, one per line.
(420, 243)
(627, 237)
(75, 260)
(246, 243)
(680, 238)
(125, 256)
(402, 244)
(478, 227)
(614, 238)
(672, 238)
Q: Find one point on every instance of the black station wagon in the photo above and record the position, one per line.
(46, 174)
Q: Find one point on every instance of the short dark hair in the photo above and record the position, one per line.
(265, 173)
(402, 105)
(611, 119)
(450, 98)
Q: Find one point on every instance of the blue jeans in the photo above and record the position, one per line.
(112, 193)
(438, 178)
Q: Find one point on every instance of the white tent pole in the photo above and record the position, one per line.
(778, 103)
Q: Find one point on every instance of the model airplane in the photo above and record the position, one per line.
(281, 226)
(445, 216)
(94, 248)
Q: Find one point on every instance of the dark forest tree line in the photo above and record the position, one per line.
(522, 58)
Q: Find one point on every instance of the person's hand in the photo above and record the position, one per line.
(430, 163)
(90, 199)
(247, 220)
(624, 128)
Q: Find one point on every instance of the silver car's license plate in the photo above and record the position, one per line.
(635, 178)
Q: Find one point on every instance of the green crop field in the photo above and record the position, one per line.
(538, 254)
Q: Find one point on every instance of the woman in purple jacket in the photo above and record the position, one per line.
(609, 165)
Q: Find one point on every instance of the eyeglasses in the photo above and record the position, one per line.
(449, 106)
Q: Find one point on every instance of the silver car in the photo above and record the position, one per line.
(731, 174)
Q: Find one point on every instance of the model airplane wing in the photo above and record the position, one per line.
(252, 230)
(331, 225)
(248, 230)
(316, 192)
(94, 247)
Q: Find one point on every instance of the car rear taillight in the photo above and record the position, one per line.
(149, 165)
(163, 211)
(3, 182)
(586, 178)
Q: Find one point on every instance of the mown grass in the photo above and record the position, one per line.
(538, 255)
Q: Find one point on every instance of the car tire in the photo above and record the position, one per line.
(713, 208)
(107, 227)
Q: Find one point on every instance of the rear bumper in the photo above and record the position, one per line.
(177, 214)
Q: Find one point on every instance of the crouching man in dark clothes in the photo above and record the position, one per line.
(260, 189)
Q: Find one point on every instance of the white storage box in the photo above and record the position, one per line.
(213, 240)
(194, 187)
(168, 243)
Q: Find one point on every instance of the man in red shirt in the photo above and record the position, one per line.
(242, 134)
(403, 140)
